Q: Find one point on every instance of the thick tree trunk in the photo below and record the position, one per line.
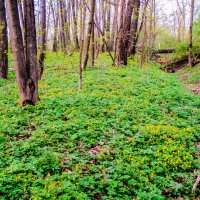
(136, 11)
(21, 17)
(124, 34)
(3, 41)
(26, 71)
(87, 41)
(42, 42)
(31, 45)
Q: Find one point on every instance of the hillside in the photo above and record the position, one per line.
(130, 133)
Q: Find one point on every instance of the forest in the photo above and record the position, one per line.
(100, 99)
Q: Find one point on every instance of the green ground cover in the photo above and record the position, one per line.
(129, 134)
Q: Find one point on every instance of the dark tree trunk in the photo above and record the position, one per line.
(31, 45)
(126, 32)
(26, 71)
(3, 41)
(103, 7)
(136, 11)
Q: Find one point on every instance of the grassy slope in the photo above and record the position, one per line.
(128, 134)
(191, 78)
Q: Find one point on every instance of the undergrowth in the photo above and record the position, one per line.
(129, 134)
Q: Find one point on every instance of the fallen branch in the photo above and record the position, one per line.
(164, 51)
(172, 65)
(196, 184)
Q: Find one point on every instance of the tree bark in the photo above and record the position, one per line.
(31, 45)
(56, 17)
(75, 26)
(42, 42)
(136, 11)
(87, 41)
(114, 25)
(3, 42)
(63, 24)
(118, 59)
(124, 34)
(26, 71)
(108, 27)
(92, 47)
(191, 30)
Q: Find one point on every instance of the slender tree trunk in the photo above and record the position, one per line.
(87, 41)
(191, 30)
(118, 58)
(42, 43)
(144, 12)
(26, 71)
(3, 41)
(103, 7)
(92, 47)
(75, 25)
(56, 17)
(108, 27)
(82, 13)
(114, 26)
(62, 29)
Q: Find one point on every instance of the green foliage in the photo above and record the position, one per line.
(129, 134)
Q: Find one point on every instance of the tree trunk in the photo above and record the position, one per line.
(62, 29)
(118, 59)
(42, 42)
(3, 41)
(87, 42)
(126, 33)
(191, 30)
(31, 45)
(92, 47)
(75, 26)
(21, 17)
(108, 27)
(26, 71)
(136, 11)
(103, 7)
(114, 26)
(56, 17)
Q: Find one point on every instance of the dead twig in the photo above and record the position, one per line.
(196, 184)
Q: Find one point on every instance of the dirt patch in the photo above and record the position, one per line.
(194, 87)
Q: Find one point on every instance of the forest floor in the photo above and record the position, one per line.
(130, 133)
